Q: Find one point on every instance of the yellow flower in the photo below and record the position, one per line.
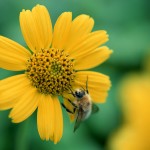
(52, 65)
(134, 134)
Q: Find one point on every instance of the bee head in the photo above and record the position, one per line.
(79, 93)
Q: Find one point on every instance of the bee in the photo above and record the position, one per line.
(82, 104)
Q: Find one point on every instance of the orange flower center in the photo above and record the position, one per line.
(51, 71)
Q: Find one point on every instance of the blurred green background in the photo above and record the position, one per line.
(128, 25)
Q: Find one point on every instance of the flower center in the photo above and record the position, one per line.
(51, 71)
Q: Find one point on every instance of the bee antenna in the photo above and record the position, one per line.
(83, 88)
(87, 85)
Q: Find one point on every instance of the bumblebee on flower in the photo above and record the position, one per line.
(56, 62)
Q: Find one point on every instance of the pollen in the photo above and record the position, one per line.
(51, 71)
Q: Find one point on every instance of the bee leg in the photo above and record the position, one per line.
(72, 92)
(74, 109)
(72, 103)
(67, 109)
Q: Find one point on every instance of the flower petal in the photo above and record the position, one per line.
(98, 84)
(81, 26)
(96, 57)
(58, 129)
(61, 30)
(46, 117)
(36, 27)
(88, 43)
(11, 90)
(12, 55)
(25, 106)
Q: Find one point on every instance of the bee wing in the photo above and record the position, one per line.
(95, 108)
(79, 119)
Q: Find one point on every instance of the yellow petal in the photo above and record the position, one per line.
(61, 30)
(88, 43)
(127, 138)
(93, 58)
(46, 117)
(135, 96)
(58, 128)
(25, 106)
(11, 89)
(98, 84)
(81, 26)
(36, 27)
(12, 55)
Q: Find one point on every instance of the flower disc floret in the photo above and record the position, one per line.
(51, 71)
